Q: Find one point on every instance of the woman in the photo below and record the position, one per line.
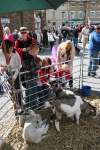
(23, 42)
(10, 63)
(29, 75)
(7, 35)
(65, 54)
(51, 38)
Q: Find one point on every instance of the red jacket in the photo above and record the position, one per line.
(20, 44)
(61, 73)
(44, 75)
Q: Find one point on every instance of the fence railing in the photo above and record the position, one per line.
(34, 94)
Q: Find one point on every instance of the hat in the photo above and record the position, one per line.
(23, 29)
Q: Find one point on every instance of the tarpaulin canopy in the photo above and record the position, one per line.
(7, 6)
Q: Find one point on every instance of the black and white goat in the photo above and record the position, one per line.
(71, 105)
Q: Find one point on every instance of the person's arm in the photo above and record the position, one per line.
(72, 53)
(18, 49)
(18, 66)
(42, 77)
(58, 58)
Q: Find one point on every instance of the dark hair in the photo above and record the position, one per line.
(33, 35)
(46, 60)
(97, 27)
(6, 45)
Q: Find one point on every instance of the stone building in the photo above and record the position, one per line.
(75, 12)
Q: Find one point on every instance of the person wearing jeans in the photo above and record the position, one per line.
(93, 64)
(94, 49)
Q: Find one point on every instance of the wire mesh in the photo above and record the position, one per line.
(7, 118)
(92, 80)
(34, 93)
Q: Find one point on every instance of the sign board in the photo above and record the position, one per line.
(5, 20)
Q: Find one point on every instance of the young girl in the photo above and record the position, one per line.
(44, 72)
(63, 74)
(54, 54)
(65, 54)
(44, 78)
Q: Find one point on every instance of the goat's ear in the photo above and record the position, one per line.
(83, 106)
(47, 105)
(31, 112)
(51, 103)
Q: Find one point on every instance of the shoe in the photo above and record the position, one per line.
(89, 74)
(93, 75)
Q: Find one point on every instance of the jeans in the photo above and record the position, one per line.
(31, 99)
(75, 41)
(18, 94)
(44, 92)
(93, 62)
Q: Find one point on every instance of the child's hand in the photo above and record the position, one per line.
(48, 85)
(65, 67)
(2, 69)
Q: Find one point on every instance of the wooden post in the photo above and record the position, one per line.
(21, 18)
(1, 30)
(33, 26)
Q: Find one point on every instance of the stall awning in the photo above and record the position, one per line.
(7, 6)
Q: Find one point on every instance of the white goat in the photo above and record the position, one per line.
(32, 134)
(74, 110)
(34, 128)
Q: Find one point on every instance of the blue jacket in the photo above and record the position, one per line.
(94, 42)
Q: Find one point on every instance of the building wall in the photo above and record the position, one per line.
(19, 19)
(80, 11)
(25, 18)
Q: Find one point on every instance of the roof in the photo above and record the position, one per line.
(7, 6)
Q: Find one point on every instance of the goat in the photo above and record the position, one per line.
(69, 104)
(34, 128)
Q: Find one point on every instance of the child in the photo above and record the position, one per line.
(54, 53)
(44, 72)
(43, 80)
(65, 54)
(64, 74)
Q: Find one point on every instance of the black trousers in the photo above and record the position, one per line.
(71, 82)
(18, 91)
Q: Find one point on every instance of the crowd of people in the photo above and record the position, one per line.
(19, 53)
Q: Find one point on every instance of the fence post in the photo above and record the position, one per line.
(81, 69)
(20, 90)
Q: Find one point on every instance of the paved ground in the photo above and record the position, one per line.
(7, 119)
